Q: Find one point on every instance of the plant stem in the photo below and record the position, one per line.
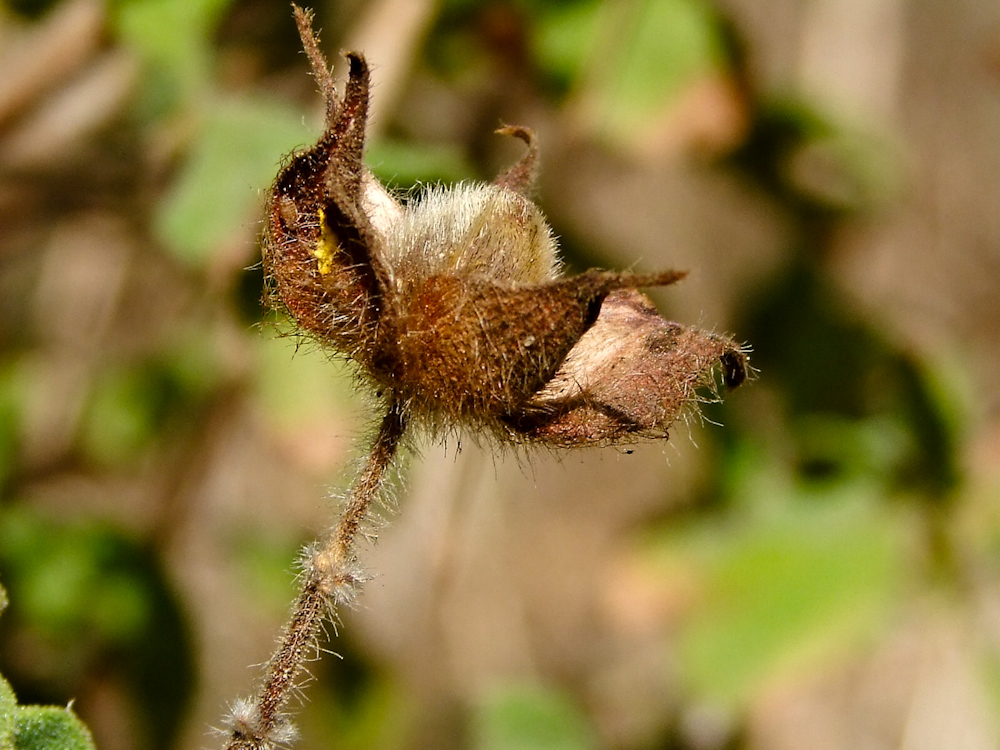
(330, 577)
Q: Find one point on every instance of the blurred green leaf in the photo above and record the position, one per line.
(174, 37)
(219, 191)
(855, 401)
(87, 588)
(841, 449)
(121, 607)
(120, 419)
(72, 579)
(372, 719)
(934, 401)
(800, 583)
(263, 555)
(359, 703)
(565, 38)
(131, 406)
(297, 385)
(53, 572)
(404, 165)
(846, 168)
(989, 674)
(37, 727)
(15, 390)
(672, 42)
(530, 717)
(628, 60)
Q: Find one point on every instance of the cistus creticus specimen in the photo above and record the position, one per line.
(455, 310)
(454, 306)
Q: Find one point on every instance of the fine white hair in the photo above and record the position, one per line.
(476, 229)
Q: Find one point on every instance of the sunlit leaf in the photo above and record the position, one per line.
(217, 196)
(174, 37)
(529, 717)
(807, 581)
(8, 704)
(628, 61)
(50, 728)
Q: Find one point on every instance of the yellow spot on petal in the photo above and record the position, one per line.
(326, 247)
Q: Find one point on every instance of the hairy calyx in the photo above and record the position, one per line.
(455, 303)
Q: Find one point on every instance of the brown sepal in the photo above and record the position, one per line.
(317, 195)
(474, 350)
(629, 377)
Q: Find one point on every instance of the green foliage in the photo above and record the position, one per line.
(87, 591)
(132, 406)
(299, 390)
(38, 727)
(804, 581)
(238, 140)
(66, 578)
(358, 702)
(565, 37)
(404, 165)
(175, 40)
(854, 401)
(12, 395)
(827, 480)
(628, 61)
(49, 728)
(217, 192)
(530, 717)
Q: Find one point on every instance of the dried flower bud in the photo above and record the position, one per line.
(454, 303)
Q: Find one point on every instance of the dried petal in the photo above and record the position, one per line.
(628, 377)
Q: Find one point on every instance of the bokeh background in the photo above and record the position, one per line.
(814, 564)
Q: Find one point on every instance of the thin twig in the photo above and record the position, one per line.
(330, 577)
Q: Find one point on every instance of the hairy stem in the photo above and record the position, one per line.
(330, 577)
(324, 78)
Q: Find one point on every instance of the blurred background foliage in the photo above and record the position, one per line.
(38, 727)
(823, 571)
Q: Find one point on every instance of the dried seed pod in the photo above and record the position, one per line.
(629, 376)
(454, 303)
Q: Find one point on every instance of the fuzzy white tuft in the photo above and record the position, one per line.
(473, 228)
